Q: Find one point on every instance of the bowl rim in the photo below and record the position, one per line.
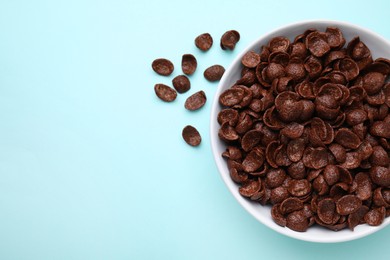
(221, 165)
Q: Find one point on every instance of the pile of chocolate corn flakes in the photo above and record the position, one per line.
(181, 83)
(307, 128)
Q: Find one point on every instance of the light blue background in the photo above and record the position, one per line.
(92, 163)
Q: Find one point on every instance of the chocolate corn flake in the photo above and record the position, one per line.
(188, 64)
(204, 41)
(181, 83)
(195, 101)
(165, 93)
(214, 73)
(229, 40)
(163, 67)
(191, 135)
(309, 120)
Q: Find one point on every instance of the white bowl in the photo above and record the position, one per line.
(379, 47)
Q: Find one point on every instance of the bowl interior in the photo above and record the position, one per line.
(379, 47)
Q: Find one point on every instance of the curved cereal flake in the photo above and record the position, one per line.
(260, 72)
(305, 90)
(281, 158)
(375, 216)
(356, 116)
(191, 135)
(229, 40)
(288, 106)
(380, 129)
(248, 95)
(308, 108)
(275, 178)
(279, 57)
(315, 158)
(313, 66)
(278, 195)
(273, 71)
(337, 77)
(336, 227)
(256, 105)
(320, 186)
(378, 199)
(231, 97)
(331, 174)
(297, 221)
(297, 170)
(360, 130)
(271, 119)
(357, 50)
(299, 188)
(325, 112)
(214, 73)
(338, 190)
(345, 175)
(334, 37)
(257, 196)
(227, 132)
(326, 211)
(380, 67)
(282, 84)
(181, 83)
(232, 153)
(165, 93)
(253, 161)
(377, 99)
(296, 71)
(280, 43)
(373, 82)
(290, 205)
(333, 56)
(188, 64)
(251, 59)
(228, 115)
(264, 53)
(386, 195)
(298, 50)
(317, 44)
(352, 161)
(292, 130)
(248, 79)
(250, 187)
(320, 132)
(270, 153)
(348, 204)
(232, 164)
(347, 138)
(251, 139)
(365, 150)
(379, 156)
(204, 41)
(163, 67)
(195, 101)
(355, 218)
(380, 175)
(277, 216)
(236, 176)
(349, 67)
(383, 60)
(333, 90)
(357, 94)
(295, 149)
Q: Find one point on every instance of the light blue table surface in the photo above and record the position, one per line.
(92, 163)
